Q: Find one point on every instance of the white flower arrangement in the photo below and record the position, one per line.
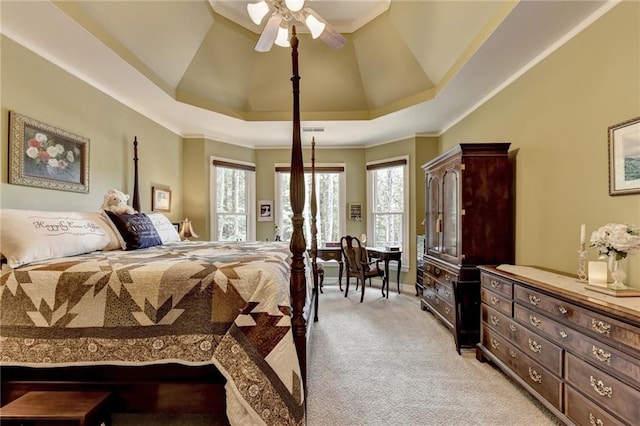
(616, 239)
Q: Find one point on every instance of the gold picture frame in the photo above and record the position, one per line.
(45, 156)
(624, 157)
(160, 199)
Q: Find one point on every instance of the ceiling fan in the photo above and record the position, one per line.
(283, 12)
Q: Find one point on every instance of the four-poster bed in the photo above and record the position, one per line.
(170, 377)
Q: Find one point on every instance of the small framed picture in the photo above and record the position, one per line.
(355, 211)
(624, 157)
(265, 210)
(160, 199)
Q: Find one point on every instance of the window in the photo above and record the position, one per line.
(330, 199)
(232, 195)
(388, 204)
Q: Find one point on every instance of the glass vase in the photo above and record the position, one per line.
(617, 273)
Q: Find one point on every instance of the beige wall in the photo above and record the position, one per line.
(38, 89)
(556, 116)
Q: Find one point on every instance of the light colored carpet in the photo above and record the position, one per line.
(387, 362)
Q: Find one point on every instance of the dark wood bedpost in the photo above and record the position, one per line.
(313, 206)
(136, 191)
(298, 243)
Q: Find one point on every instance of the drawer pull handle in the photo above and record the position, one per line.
(447, 293)
(534, 321)
(535, 376)
(494, 344)
(600, 354)
(534, 300)
(494, 300)
(535, 346)
(599, 387)
(512, 353)
(437, 301)
(446, 310)
(495, 320)
(512, 327)
(447, 277)
(437, 271)
(562, 334)
(594, 421)
(495, 283)
(562, 310)
(601, 327)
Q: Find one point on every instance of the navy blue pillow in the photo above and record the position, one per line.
(137, 230)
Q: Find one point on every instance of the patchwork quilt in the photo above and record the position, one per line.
(191, 302)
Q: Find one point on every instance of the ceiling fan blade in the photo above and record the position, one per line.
(330, 36)
(269, 33)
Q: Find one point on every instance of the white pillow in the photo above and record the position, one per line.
(165, 228)
(29, 236)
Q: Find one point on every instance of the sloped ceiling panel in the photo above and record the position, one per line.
(389, 70)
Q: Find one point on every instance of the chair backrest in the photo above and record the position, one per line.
(353, 252)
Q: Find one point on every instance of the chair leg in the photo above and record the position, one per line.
(363, 286)
(346, 290)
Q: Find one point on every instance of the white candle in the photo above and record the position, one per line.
(583, 229)
(598, 273)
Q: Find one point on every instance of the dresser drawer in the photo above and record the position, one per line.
(585, 412)
(545, 383)
(497, 302)
(532, 344)
(610, 331)
(497, 285)
(428, 295)
(606, 391)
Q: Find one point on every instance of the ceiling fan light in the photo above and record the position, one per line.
(294, 5)
(282, 39)
(315, 26)
(257, 11)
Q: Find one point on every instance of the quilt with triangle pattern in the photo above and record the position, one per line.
(191, 302)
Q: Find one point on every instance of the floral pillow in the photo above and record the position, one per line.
(136, 230)
(29, 236)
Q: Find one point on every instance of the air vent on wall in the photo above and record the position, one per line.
(313, 129)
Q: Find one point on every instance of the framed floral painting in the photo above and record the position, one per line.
(47, 157)
(624, 157)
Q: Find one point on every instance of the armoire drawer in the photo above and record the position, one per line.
(585, 412)
(545, 383)
(445, 310)
(606, 391)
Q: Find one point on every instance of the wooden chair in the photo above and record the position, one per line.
(358, 265)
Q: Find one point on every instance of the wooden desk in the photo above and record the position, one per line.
(333, 253)
(387, 256)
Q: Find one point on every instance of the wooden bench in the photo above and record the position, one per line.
(58, 408)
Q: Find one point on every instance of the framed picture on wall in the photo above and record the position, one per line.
(355, 211)
(624, 157)
(160, 199)
(265, 210)
(47, 157)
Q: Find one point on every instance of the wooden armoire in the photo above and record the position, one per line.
(469, 221)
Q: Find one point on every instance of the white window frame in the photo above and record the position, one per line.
(250, 197)
(406, 242)
(342, 208)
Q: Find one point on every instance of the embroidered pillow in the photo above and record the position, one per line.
(137, 230)
(29, 235)
(166, 230)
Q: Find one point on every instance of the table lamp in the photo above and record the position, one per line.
(186, 230)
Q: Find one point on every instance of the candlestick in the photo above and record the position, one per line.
(582, 262)
(583, 229)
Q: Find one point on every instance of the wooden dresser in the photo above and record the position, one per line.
(468, 222)
(575, 350)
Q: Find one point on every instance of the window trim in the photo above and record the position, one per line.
(248, 167)
(372, 166)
